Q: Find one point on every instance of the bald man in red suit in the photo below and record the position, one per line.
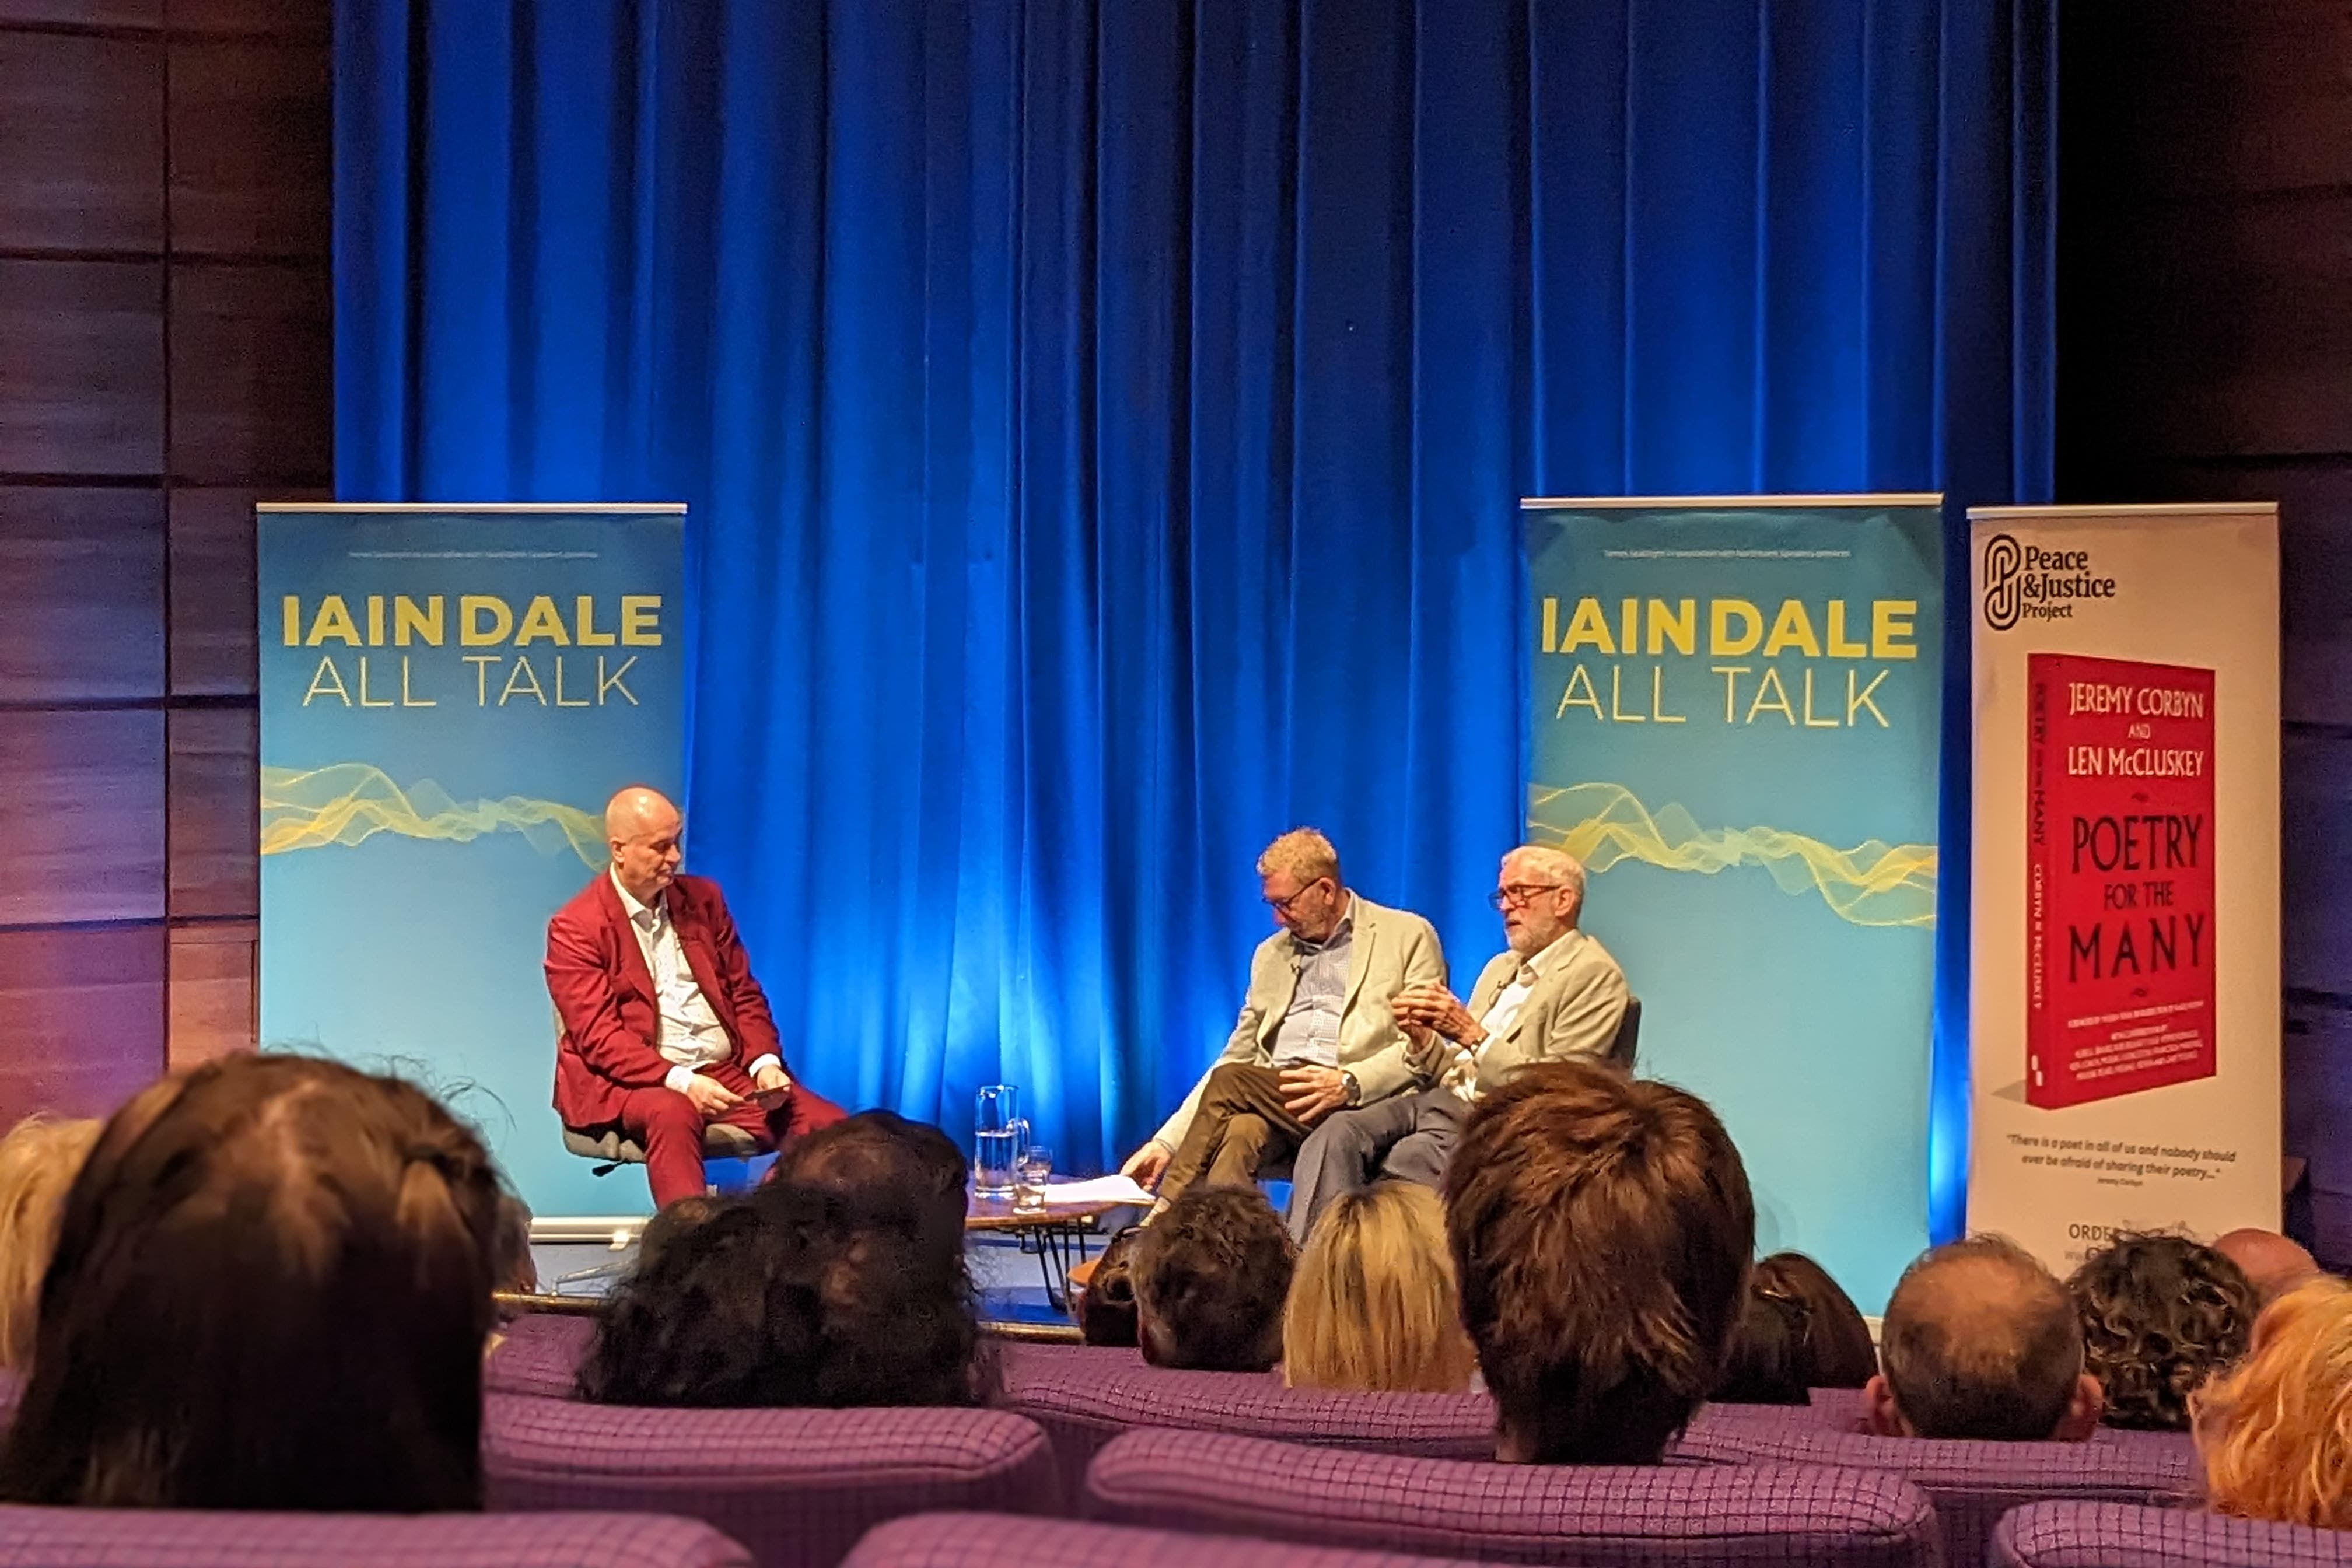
(664, 1030)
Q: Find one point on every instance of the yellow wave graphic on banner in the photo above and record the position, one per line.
(350, 802)
(1872, 884)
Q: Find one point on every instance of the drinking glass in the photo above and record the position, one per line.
(996, 1136)
(1032, 1172)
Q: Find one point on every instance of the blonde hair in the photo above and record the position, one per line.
(1304, 853)
(1373, 1303)
(39, 1158)
(2275, 1431)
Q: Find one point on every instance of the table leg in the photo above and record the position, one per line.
(1058, 1248)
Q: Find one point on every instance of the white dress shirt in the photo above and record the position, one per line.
(692, 1037)
(1463, 1077)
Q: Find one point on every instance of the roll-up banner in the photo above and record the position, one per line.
(1736, 727)
(2123, 991)
(449, 694)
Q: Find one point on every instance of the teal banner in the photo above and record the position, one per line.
(1735, 726)
(448, 696)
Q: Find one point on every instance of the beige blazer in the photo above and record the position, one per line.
(1391, 949)
(1573, 1009)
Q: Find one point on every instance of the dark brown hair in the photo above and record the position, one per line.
(1981, 1340)
(1107, 1309)
(271, 1291)
(1797, 1332)
(797, 1295)
(1211, 1274)
(2160, 1314)
(1602, 1227)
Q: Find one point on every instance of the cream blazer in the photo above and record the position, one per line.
(1391, 949)
(1573, 1009)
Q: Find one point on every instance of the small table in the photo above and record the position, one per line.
(1054, 1234)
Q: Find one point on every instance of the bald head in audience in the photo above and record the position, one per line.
(1981, 1340)
(2273, 1262)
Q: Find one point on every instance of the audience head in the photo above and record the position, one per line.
(1981, 1340)
(796, 1295)
(895, 1167)
(1540, 890)
(514, 1268)
(2160, 1314)
(672, 1220)
(38, 1161)
(2273, 1263)
(2275, 1431)
(641, 833)
(1601, 1227)
(1211, 1273)
(271, 1290)
(1373, 1303)
(1107, 1306)
(1299, 876)
(1797, 1332)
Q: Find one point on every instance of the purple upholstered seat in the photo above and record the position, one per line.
(539, 1353)
(1971, 1484)
(165, 1538)
(1083, 1403)
(1596, 1515)
(989, 1541)
(797, 1486)
(2121, 1535)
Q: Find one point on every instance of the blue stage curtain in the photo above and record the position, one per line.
(1102, 423)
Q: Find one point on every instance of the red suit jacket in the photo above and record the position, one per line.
(605, 993)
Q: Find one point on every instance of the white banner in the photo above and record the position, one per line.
(2124, 997)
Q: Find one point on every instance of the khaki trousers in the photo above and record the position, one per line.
(1239, 1129)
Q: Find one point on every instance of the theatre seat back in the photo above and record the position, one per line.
(797, 1486)
(1715, 1516)
(1082, 1402)
(991, 1541)
(169, 1538)
(2123, 1535)
(539, 1353)
(1971, 1484)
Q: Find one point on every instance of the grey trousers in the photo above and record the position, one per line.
(1405, 1138)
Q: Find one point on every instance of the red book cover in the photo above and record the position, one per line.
(2119, 877)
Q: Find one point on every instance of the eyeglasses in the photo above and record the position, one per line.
(1282, 906)
(1518, 894)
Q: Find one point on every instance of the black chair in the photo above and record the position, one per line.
(1629, 1035)
(721, 1140)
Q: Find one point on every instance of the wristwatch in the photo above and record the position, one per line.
(1354, 1091)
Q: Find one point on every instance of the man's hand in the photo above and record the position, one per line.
(710, 1097)
(771, 1077)
(1148, 1164)
(1424, 1051)
(1434, 1007)
(1313, 1093)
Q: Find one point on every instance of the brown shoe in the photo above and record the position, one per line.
(1083, 1274)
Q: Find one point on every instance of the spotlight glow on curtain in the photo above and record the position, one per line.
(1102, 424)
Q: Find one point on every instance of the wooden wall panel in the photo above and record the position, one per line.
(215, 812)
(2207, 98)
(251, 148)
(81, 373)
(85, 13)
(252, 373)
(85, 1011)
(212, 608)
(212, 992)
(81, 118)
(2231, 334)
(83, 571)
(82, 810)
(284, 18)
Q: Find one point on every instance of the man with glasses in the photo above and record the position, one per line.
(1315, 1033)
(1553, 992)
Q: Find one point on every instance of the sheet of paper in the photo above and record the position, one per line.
(1097, 1190)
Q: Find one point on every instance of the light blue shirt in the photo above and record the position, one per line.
(1309, 1034)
